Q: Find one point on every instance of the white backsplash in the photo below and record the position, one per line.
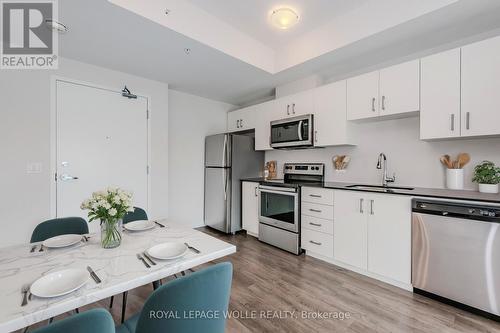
(415, 162)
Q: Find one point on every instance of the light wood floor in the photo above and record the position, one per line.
(268, 279)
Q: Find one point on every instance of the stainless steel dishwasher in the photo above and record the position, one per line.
(456, 253)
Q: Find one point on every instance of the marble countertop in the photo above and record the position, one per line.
(416, 192)
(119, 269)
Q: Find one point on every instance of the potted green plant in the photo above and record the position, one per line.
(487, 175)
(109, 207)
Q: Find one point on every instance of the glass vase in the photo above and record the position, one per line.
(111, 233)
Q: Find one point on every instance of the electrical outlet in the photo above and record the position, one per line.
(34, 167)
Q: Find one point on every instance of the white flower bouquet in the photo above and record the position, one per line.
(109, 206)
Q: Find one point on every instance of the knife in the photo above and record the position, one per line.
(158, 223)
(192, 248)
(148, 258)
(93, 275)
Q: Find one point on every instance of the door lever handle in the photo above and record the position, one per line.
(65, 177)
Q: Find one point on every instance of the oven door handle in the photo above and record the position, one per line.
(285, 191)
(299, 130)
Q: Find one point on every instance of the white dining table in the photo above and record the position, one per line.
(119, 270)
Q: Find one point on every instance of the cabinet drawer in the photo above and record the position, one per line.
(317, 195)
(317, 210)
(317, 242)
(316, 224)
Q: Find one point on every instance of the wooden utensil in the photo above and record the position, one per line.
(345, 162)
(446, 160)
(463, 159)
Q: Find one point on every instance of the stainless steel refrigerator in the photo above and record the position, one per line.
(228, 159)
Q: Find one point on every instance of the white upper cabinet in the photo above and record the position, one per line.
(389, 92)
(294, 105)
(242, 119)
(266, 113)
(480, 88)
(399, 89)
(362, 96)
(440, 96)
(330, 115)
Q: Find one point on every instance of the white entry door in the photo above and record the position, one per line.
(102, 140)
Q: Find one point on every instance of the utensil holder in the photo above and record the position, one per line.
(455, 179)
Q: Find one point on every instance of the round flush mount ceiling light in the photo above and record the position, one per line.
(57, 26)
(284, 18)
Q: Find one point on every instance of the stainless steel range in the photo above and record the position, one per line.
(279, 204)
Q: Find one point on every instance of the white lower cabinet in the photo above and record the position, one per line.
(372, 232)
(250, 207)
(317, 242)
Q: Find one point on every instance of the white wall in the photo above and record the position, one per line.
(415, 162)
(25, 102)
(191, 119)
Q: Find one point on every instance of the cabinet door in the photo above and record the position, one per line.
(295, 105)
(389, 236)
(241, 120)
(400, 88)
(350, 228)
(362, 96)
(266, 113)
(480, 82)
(440, 96)
(330, 115)
(250, 207)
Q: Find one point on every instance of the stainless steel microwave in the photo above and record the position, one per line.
(293, 132)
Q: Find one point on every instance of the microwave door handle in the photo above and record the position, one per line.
(299, 130)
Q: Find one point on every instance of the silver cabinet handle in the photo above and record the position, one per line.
(65, 177)
(373, 104)
(361, 201)
(293, 108)
(315, 243)
(315, 210)
(256, 192)
(315, 195)
(315, 136)
(452, 120)
(371, 207)
(467, 120)
(383, 102)
(238, 123)
(241, 123)
(315, 224)
(288, 109)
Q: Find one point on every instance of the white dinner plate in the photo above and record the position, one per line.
(139, 225)
(62, 240)
(168, 251)
(59, 283)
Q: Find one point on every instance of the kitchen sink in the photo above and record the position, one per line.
(379, 188)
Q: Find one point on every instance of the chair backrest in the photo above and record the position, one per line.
(206, 291)
(95, 320)
(59, 226)
(136, 215)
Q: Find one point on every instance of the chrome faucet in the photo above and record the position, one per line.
(382, 164)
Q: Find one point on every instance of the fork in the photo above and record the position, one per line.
(24, 290)
(143, 261)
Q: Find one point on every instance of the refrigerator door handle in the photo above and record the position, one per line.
(224, 152)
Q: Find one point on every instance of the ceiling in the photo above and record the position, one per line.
(252, 17)
(107, 35)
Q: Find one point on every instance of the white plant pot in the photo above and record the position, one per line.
(455, 179)
(488, 188)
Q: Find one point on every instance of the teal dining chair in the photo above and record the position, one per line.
(206, 290)
(95, 321)
(59, 226)
(136, 215)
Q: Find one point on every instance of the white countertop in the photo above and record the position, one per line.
(119, 269)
